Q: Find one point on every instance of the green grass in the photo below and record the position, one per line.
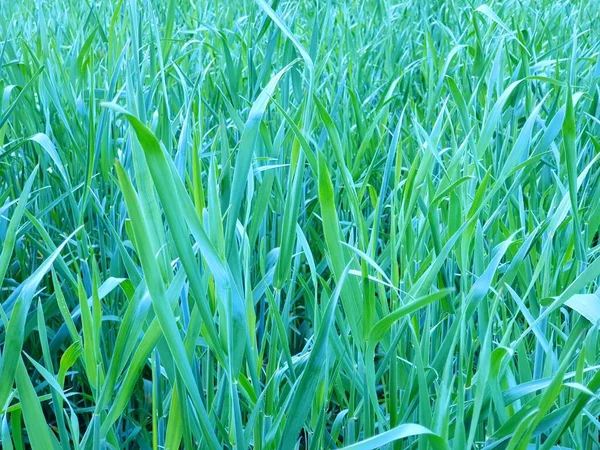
(300, 225)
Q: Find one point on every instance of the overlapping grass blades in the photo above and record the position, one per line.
(299, 225)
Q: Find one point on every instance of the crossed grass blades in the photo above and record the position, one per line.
(307, 225)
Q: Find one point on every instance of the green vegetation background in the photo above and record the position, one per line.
(359, 224)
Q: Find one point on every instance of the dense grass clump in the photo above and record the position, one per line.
(299, 225)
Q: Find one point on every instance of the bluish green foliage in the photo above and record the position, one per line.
(273, 224)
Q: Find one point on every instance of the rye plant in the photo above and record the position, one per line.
(292, 225)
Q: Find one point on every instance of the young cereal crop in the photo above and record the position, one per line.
(279, 224)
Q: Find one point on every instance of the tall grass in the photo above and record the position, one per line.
(299, 225)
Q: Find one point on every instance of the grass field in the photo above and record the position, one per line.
(299, 225)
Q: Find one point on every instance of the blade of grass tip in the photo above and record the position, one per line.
(290, 214)
(425, 281)
(49, 378)
(168, 32)
(16, 425)
(383, 191)
(403, 431)
(40, 436)
(548, 398)
(339, 257)
(288, 239)
(301, 49)
(522, 144)
(15, 330)
(573, 411)
(161, 305)
(227, 285)
(304, 145)
(586, 277)
(530, 320)
(61, 265)
(569, 136)
(11, 233)
(88, 337)
(245, 153)
(267, 21)
(127, 387)
(491, 121)
(379, 330)
(129, 329)
(174, 432)
(44, 141)
(483, 373)
(164, 171)
(5, 434)
(56, 405)
(273, 310)
(67, 360)
(9, 110)
(338, 151)
(303, 393)
(171, 202)
(382, 327)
